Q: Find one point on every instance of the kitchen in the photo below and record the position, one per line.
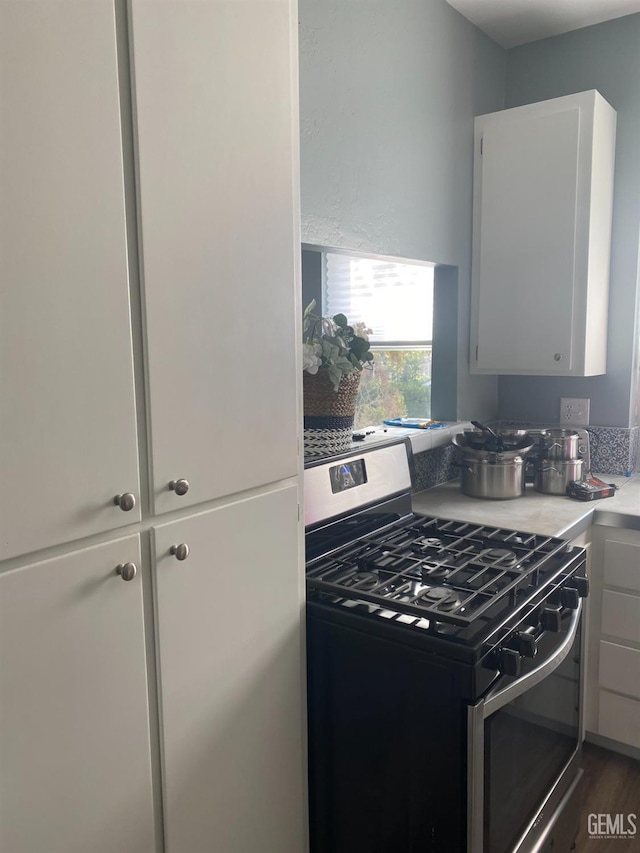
(551, 68)
(121, 725)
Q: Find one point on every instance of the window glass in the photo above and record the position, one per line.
(394, 301)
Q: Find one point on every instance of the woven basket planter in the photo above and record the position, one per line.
(328, 414)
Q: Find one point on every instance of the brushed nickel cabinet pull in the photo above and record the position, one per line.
(127, 571)
(180, 552)
(126, 502)
(180, 487)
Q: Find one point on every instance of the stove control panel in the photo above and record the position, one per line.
(345, 484)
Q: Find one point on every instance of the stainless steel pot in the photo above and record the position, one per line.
(553, 476)
(559, 444)
(494, 480)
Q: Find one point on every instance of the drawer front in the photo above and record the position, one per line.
(619, 669)
(621, 615)
(622, 564)
(619, 718)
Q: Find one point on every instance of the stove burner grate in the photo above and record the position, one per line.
(437, 569)
(498, 556)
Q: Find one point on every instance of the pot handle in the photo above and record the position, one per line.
(462, 465)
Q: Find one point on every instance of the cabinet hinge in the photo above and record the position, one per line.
(481, 144)
(298, 512)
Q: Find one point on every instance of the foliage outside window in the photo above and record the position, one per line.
(396, 300)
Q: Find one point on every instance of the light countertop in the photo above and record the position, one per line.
(550, 515)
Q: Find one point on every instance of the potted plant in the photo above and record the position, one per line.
(334, 354)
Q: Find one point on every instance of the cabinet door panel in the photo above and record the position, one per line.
(215, 140)
(620, 669)
(67, 418)
(619, 718)
(74, 741)
(621, 615)
(528, 215)
(230, 678)
(622, 563)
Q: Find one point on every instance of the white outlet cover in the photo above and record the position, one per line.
(575, 410)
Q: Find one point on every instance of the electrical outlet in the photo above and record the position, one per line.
(574, 411)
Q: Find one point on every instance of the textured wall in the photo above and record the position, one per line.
(604, 57)
(388, 92)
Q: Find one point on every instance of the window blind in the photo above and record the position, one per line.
(394, 300)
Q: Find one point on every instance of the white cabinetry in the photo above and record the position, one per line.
(230, 661)
(207, 348)
(543, 192)
(75, 765)
(67, 420)
(214, 105)
(613, 707)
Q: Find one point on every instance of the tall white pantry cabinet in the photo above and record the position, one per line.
(151, 580)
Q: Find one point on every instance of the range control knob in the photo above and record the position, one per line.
(582, 585)
(551, 619)
(526, 644)
(509, 661)
(569, 597)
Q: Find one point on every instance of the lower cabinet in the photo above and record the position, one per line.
(75, 769)
(75, 741)
(613, 707)
(228, 597)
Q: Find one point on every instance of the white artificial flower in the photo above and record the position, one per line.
(311, 357)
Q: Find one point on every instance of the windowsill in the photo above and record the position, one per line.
(421, 439)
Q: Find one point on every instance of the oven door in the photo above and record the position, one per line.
(524, 742)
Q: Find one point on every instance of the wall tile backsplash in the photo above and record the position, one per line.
(434, 467)
(614, 450)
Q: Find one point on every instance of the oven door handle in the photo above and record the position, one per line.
(498, 698)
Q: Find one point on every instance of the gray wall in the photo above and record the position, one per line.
(388, 92)
(604, 57)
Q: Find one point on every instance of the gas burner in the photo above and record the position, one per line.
(445, 599)
(424, 544)
(363, 580)
(499, 557)
(435, 571)
(512, 538)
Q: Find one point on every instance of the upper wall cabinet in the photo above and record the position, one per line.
(543, 192)
(68, 442)
(218, 218)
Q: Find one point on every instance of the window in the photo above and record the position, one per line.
(395, 301)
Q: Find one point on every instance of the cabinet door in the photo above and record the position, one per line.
(229, 644)
(216, 140)
(543, 192)
(74, 735)
(527, 247)
(67, 418)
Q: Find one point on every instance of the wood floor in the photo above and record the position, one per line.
(611, 785)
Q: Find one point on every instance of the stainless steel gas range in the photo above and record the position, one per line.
(444, 672)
